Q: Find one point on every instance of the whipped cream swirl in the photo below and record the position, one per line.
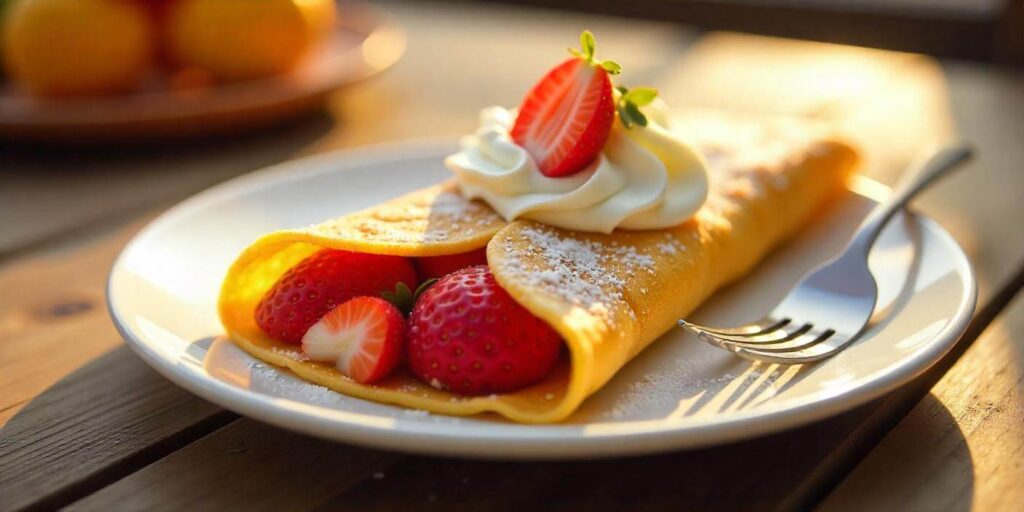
(644, 178)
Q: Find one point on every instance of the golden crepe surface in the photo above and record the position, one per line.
(608, 296)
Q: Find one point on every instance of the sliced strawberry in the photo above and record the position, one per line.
(440, 266)
(363, 337)
(565, 119)
(322, 281)
(466, 334)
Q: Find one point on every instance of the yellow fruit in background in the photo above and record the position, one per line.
(76, 47)
(241, 39)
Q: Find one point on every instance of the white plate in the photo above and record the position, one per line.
(678, 393)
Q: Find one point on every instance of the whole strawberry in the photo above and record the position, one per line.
(467, 335)
(322, 281)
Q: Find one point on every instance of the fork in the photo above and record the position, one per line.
(832, 304)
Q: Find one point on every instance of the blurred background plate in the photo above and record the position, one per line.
(366, 40)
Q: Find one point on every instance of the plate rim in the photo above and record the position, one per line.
(439, 438)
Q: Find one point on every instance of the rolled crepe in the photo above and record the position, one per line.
(608, 296)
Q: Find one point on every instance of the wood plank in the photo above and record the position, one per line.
(243, 466)
(961, 448)
(47, 192)
(752, 475)
(52, 316)
(100, 423)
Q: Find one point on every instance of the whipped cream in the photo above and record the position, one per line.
(644, 178)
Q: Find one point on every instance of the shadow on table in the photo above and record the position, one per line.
(926, 450)
(790, 470)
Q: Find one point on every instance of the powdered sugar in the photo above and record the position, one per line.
(429, 216)
(280, 382)
(585, 272)
(574, 269)
(669, 248)
(289, 353)
(275, 381)
(662, 388)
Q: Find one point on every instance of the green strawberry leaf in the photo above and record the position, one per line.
(404, 298)
(641, 96)
(401, 298)
(635, 116)
(588, 45)
(612, 67)
(628, 104)
(423, 287)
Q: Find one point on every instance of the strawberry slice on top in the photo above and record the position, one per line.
(565, 119)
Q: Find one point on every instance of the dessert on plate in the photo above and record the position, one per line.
(576, 230)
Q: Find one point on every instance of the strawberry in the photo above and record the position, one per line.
(322, 281)
(565, 119)
(466, 334)
(364, 337)
(440, 266)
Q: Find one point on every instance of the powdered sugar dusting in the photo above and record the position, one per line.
(279, 382)
(289, 353)
(434, 215)
(274, 381)
(660, 389)
(576, 270)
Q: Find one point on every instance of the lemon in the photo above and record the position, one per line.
(243, 39)
(76, 47)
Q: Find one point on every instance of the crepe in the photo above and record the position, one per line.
(608, 296)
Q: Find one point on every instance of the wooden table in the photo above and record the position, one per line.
(89, 426)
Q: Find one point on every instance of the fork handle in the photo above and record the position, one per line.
(929, 166)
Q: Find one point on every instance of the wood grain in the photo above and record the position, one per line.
(97, 425)
(752, 475)
(243, 466)
(48, 193)
(52, 316)
(963, 448)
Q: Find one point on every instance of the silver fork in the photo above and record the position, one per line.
(831, 305)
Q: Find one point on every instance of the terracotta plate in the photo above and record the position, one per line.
(366, 41)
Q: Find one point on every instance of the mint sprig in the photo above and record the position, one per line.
(404, 298)
(629, 102)
(588, 45)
